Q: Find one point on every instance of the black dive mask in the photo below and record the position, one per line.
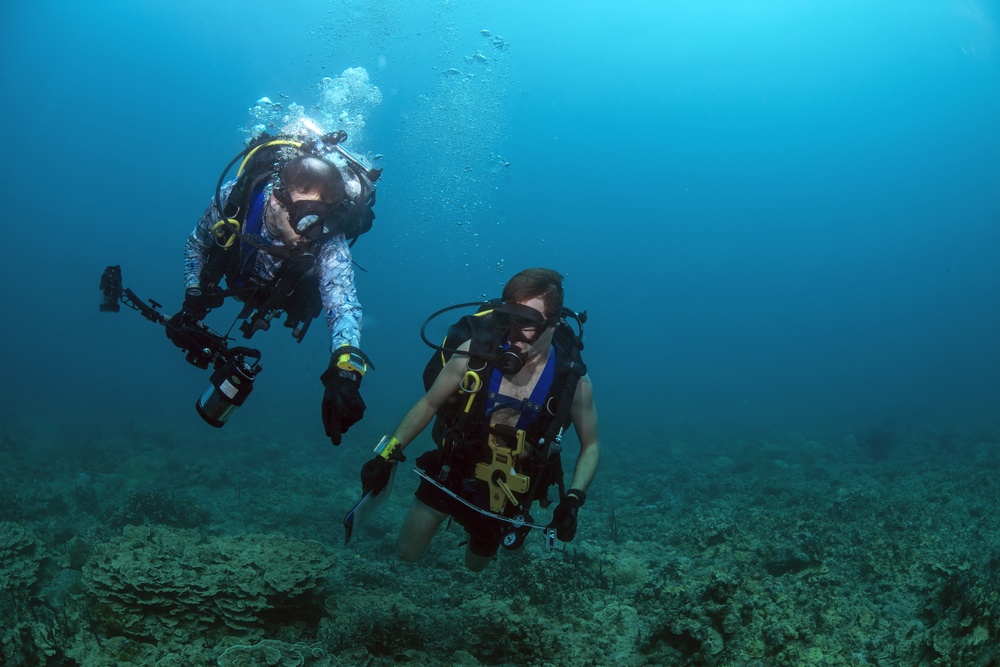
(515, 322)
(523, 324)
(317, 220)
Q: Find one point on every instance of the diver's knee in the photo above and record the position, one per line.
(417, 531)
(408, 553)
(476, 563)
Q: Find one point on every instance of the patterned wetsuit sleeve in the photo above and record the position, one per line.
(200, 241)
(340, 298)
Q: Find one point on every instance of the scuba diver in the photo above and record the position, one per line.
(279, 237)
(503, 388)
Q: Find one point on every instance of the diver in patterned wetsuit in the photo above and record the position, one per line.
(282, 247)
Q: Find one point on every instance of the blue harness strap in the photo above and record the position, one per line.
(254, 223)
(530, 407)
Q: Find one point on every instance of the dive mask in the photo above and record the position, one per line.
(522, 323)
(317, 220)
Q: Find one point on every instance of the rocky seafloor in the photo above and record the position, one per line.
(762, 547)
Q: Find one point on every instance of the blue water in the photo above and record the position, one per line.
(782, 218)
(777, 213)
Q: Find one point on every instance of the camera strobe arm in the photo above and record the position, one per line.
(147, 310)
(233, 377)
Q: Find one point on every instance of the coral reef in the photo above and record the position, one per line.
(20, 555)
(149, 507)
(23, 640)
(879, 441)
(157, 584)
(273, 652)
(779, 549)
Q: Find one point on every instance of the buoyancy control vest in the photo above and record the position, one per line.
(462, 428)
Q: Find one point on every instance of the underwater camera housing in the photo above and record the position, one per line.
(228, 388)
(236, 368)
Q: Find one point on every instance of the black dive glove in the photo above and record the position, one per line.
(564, 518)
(181, 328)
(182, 331)
(342, 403)
(375, 474)
(197, 302)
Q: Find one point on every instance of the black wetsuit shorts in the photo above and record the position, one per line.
(485, 532)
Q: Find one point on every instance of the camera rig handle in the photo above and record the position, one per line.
(235, 367)
(201, 345)
(148, 310)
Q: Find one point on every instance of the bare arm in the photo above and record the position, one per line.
(584, 415)
(446, 384)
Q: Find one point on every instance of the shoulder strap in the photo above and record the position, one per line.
(569, 371)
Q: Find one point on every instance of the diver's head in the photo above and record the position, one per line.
(312, 178)
(532, 301)
(545, 284)
(313, 198)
